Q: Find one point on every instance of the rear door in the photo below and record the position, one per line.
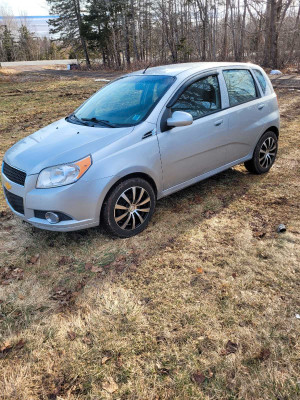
(247, 112)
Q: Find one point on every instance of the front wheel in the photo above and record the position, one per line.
(129, 208)
(264, 154)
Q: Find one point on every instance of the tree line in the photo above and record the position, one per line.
(21, 44)
(125, 32)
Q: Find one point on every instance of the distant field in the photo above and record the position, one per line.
(200, 306)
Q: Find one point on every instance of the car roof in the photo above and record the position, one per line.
(176, 69)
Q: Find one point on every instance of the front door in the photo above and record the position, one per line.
(190, 151)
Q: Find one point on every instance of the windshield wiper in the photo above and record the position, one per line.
(99, 121)
(77, 119)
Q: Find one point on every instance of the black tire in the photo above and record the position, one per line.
(264, 154)
(137, 191)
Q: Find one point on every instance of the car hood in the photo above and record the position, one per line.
(58, 143)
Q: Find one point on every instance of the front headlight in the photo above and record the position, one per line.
(64, 174)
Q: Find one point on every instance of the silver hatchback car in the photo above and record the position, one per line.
(142, 137)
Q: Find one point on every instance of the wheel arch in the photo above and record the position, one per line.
(142, 175)
(273, 129)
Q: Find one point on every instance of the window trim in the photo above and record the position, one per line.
(188, 83)
(257, 89)
(263, 92)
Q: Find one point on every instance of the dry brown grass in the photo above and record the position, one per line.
(7, 71)
(150, 317)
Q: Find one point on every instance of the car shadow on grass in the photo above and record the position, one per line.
(213, 194)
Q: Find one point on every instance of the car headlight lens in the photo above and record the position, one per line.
(65, 174)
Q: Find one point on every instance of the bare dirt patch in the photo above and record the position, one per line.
(35, 73)
(202, 305)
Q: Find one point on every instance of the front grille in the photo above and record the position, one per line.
(15, 201)
(41, 214)
(14, 174)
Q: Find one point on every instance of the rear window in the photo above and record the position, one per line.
(261, 79)
(240, 85)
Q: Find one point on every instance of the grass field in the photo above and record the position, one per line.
(201, 305)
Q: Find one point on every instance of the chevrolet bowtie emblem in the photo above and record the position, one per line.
(7, 185)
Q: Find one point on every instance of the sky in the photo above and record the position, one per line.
(25, 7)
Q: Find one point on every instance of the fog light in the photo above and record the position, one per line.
(52, 217)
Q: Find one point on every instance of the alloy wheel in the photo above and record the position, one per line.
(267, 152)
(132, 208)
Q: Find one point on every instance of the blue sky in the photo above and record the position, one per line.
(25, 7)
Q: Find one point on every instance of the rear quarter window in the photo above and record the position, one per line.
(240, 85)
(261, 79)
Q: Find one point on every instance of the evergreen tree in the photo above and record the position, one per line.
(108, 28)
(26, 44)
(8, 45)
(69, 24)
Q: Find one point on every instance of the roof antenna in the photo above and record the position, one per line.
(146, 68)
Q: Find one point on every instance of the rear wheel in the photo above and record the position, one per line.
(129, 208)
(264, 154)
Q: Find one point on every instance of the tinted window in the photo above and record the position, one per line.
(240, 85)
(126, 101)
(260, 79)
(200, 98)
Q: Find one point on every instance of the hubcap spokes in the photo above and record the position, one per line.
(132, 208)
(267, 152)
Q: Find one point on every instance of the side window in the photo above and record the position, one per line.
(200, 98)
(240, 85)
(261, 79)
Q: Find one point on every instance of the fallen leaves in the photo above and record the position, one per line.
(162, 370)
(88, 266)
(119, 264)
(208, 214)
(93, 268)
(230, 348)
(259, 234)
(79, 286)
(200, 377)
(110, 385)
(61, 294)
(66, 296)
(259, 225)
(197, 198)
(10, 274)
(105, 359)
(5, 215)
(8, 346)
(87, 339)
(71, 335)
(264, 354)
(34, 259)
(64, 260)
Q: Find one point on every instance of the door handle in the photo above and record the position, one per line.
(219, 122)
(261, 106)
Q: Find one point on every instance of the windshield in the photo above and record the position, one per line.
(124, 102)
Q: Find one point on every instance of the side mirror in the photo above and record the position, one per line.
(180, 118)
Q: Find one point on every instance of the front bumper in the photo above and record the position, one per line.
(81, 201)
